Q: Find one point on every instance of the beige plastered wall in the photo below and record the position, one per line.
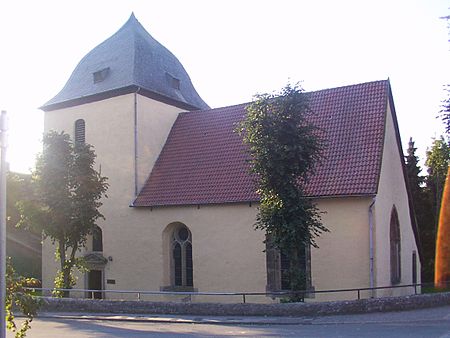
(342, 259)
(392, 191)
(110, 128)
(133, 237)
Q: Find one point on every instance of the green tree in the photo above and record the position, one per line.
(423, 210)
(67, 198)
(413, 171)
(428, 206)
(445, 112)
(19, 296)
(284, 148)
(25, 263)
(437, 162)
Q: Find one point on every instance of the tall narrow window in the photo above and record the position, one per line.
(80, 132)
(414, 267)
(97, 239)
(182, 267)
(395, 247)
(279, 265)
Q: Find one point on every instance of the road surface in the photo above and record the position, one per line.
(420, 323)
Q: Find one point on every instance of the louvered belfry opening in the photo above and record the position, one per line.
(80, 132)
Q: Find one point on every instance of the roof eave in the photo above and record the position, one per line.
(117, 92)
(200, 203)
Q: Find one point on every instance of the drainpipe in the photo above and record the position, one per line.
(371, 248)
(135, 143)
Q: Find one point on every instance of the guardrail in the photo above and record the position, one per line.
(94, 293)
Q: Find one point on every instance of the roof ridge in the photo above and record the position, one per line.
(348, 86)
(305, 92)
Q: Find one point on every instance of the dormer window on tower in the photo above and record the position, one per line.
(100, 75)
(173, 81)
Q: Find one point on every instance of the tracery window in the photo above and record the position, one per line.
(395, 247)
(182, 267)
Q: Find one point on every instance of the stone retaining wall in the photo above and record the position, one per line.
(217, 309)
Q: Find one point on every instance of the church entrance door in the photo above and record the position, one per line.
(95, 282)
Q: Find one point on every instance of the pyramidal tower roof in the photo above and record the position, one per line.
(129, 61)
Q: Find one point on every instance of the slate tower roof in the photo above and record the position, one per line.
(131, 60)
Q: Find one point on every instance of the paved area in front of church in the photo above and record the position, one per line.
(434, 322)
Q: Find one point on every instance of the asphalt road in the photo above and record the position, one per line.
(420, 323)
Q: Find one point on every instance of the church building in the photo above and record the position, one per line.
(182, 205)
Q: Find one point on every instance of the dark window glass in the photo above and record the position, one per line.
(183, 234)
(173, 81)
(189, 270)
(80, 131)
(395, 248)
(97, 239)
(414, 268)
(100, 75)
(177, 260)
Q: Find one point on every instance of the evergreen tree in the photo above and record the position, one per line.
(413, 171)
(423, 211)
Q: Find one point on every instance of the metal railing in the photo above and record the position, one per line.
(93, 293)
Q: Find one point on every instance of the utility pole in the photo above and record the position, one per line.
(3, 145)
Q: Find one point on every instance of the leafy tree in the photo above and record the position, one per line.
(445, 112)
(18, 296)
(67, 198)
(284, 148)
(18, 187)
(428, 205)
(26, 264)
(437, 161)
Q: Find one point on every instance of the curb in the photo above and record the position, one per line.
(173, 320)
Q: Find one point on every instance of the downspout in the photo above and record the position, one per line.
(371, 248)
(135, 143)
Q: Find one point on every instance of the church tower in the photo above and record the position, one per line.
(122, 98)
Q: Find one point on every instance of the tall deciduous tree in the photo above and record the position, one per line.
(65, 207)
(445, 112)
(284, 148)
(437, 161)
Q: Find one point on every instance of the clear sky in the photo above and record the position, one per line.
(232, 50)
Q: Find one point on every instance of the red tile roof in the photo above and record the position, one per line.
(204, 160)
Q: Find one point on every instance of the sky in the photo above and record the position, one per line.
(232, 50)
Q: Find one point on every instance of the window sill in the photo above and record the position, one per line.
(309, 294)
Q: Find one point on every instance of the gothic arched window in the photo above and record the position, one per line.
(182, 268)
(395, 247)
(80, 131)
